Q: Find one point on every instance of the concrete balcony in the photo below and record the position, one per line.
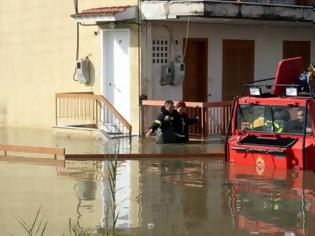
(266, 10)
(270, 2)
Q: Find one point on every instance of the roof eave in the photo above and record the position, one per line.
(162, 10)
(129, 14)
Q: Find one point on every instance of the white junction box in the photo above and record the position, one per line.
(83, 70)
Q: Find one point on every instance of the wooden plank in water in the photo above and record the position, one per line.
(32, 160)
(31, 149)
(137, 156)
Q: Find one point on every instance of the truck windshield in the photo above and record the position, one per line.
(272, 119)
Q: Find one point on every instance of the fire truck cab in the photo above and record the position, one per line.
(275, 128)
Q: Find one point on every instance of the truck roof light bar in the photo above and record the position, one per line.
(291, 91)
(255, 91)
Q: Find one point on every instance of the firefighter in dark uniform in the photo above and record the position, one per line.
(163, 124)
(181, 123)
(280, 121)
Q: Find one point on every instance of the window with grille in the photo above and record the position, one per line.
(160, 51)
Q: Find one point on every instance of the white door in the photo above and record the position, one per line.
(116, 70)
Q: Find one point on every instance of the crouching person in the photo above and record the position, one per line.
(181, 123)
(164, 124)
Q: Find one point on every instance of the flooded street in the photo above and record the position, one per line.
(158, 197)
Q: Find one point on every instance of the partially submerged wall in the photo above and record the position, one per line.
(38, 51)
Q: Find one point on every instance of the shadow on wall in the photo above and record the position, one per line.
(3, 116)
(92, 75)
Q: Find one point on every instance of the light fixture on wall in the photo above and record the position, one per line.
(112, 25)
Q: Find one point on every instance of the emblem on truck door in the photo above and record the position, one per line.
(260, 165)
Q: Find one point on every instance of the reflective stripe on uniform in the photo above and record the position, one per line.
(278, 128)
(180, 135)
(158, 122)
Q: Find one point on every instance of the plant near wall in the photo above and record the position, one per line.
(77, 230)
(111, 207)
(38, 225)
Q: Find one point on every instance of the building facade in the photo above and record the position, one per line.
(136, 47)
(40, 42)
(223, 44)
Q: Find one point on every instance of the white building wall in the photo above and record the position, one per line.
(268, 50)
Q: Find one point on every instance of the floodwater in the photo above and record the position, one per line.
(157, 197)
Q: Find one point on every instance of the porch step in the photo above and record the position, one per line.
(112, 128)
(78, 130)
(113, 135)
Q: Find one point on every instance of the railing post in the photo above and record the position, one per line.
(205, 111)
(56, 110)
(202, 123)
(96, 113)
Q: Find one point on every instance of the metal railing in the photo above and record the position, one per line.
(90, 111)
(214, 116)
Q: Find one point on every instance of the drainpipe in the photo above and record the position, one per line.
(139, 69)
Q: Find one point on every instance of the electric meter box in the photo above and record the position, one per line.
(172, 74)
(166, 75)
(178, 72)
(83, 70)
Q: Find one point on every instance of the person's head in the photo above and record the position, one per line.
(181, 107)
(169, 105)
(282, 115)
(300, 115)
(259, 111)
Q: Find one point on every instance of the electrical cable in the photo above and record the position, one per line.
(186, 39)
(77, 40)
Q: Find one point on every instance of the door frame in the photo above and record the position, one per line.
(252, 43)
(308, 43)
(205, 63)
(103, 62)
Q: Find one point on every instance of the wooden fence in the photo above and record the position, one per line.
(75, 109)
(214, 116)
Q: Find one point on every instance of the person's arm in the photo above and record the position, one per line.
(149, 133)
(156, 124)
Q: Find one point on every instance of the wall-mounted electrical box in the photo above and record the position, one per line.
(172, 74)
(166, 75)
(83, 70)
(179, 72)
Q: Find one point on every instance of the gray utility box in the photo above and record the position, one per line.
(172, 74)
(83, 70)
(179, 72)
(166, 75)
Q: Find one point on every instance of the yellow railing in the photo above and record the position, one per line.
(214, 116)
(89, 110)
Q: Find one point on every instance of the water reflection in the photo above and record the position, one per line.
(180, 197)
(115, 194)
(85, 190)
(161, 197)
(274, 201)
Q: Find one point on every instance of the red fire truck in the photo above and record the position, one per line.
(272, 127)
